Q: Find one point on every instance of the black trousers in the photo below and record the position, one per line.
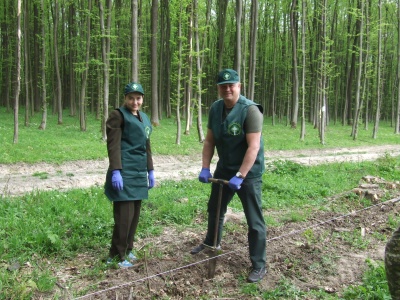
(392, 264)
(126, 219)
(250, 196)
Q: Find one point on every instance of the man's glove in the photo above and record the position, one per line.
(152, 181)
(204, 175)
(235, 183)
(116, 180)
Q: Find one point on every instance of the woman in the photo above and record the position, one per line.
(130, 174)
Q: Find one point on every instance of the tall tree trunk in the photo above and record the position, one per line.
(378, 73)
(357, 108)
(82, 100)
(105, 32)
(56, 64)
(43, 123)
(135, 41)
(221, 22)
(189, 59)
(303, 77)
(397, 123)
(253, 48)
(154, 64)
(178, 94)
(18, 73)
(199, 73)
(323, 106)
(26, 63)
(71, 56)
(238, 37)
(295, 75)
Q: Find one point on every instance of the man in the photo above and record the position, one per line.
(234, 129)
(392, 264)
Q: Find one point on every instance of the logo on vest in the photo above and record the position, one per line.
(234, 129)
(147, 130)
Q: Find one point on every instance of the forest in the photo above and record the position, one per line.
(317, 61)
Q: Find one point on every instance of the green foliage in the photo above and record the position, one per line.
(374, 285)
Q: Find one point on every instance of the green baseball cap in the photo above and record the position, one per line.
(133, 87)
(228, 76)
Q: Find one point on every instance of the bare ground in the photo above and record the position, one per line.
(312, 254)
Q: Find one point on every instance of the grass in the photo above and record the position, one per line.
(50, 227)
(65, 142)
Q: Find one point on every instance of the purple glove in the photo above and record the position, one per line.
(235, 183)
(116, 180)
(204, 175)
(152, 181)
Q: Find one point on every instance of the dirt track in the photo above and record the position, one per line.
(17, 179)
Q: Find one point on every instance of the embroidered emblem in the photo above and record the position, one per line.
(227, 76)
(147, 130)
(234, 129)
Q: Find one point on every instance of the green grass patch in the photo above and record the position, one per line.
(66, 142)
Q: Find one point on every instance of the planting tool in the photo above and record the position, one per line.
(213, 259)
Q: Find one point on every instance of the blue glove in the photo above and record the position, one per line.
(116, 180)
(152, 181)
(204, 175)
(235, 183)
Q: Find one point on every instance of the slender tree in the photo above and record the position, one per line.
(82, 99)
(155, 120)
(378, 73)
(18, 73)
(43, 123)
(57, 65)
(303, 77)
(295, 74)
(397, 117)
(357, 108)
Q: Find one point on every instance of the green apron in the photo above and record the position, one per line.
(136, 132)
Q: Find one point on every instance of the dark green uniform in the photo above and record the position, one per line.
(229, 133)
(392, 264)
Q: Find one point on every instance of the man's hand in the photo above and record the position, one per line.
(116, 180)
(152, 181)
(235, 183)
(204, 175)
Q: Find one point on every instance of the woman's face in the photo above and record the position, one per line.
(134, 101)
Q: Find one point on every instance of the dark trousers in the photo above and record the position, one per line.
(126, 219)
(392, 264)
(250, 196)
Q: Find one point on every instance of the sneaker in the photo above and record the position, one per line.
(201, 247)
(109, 261)
(256, 275)
(131, 257)
(125, 264)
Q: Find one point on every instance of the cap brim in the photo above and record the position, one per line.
(229, 81)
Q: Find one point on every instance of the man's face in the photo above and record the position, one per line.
(134, 101)
(229, 91)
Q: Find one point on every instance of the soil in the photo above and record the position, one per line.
(316, 254)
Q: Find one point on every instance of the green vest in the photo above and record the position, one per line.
(133, 157)
(230, 138)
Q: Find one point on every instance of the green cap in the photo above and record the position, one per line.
(228, 76)
(133, 87)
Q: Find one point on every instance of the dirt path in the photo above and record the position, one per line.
(20, 178)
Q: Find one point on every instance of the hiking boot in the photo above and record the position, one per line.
(131, 257)
(125, 264)
(201, 247)
(256, 275)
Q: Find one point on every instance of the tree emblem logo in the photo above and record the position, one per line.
(227, 76)
(147, 130)
(234, 129)
(135, 86)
